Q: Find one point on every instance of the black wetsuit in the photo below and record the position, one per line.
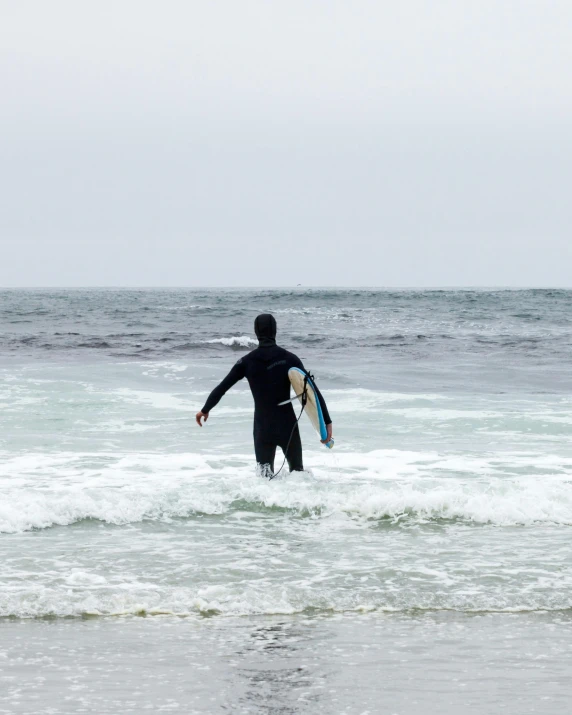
(266, 370)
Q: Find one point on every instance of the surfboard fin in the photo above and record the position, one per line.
(296, 397)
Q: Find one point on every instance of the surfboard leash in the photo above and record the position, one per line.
(304, 397)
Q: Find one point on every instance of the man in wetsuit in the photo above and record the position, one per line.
(266, 369)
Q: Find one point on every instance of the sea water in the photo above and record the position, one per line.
(424, 565)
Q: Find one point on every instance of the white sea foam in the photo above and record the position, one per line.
(156, 400)
(86, 594)
(243, 341)
(43, 491)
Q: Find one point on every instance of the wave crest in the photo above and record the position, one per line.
(96, 597)
(237, 341)
(190, 486)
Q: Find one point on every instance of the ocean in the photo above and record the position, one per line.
(424, 565)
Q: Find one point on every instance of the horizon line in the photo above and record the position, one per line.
(285, 287)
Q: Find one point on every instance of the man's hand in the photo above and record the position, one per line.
(329, 437)
(199, 416)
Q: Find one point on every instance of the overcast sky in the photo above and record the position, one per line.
(276, 142)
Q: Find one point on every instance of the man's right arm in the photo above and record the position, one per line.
(236, 374)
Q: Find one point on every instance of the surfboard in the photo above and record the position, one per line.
(313, 408)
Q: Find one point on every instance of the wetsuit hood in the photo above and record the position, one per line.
(265, 329)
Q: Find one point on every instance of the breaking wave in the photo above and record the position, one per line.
(241, 341)
(96, 597)
(385, 486)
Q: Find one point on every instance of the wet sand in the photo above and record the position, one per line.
(374, 663)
